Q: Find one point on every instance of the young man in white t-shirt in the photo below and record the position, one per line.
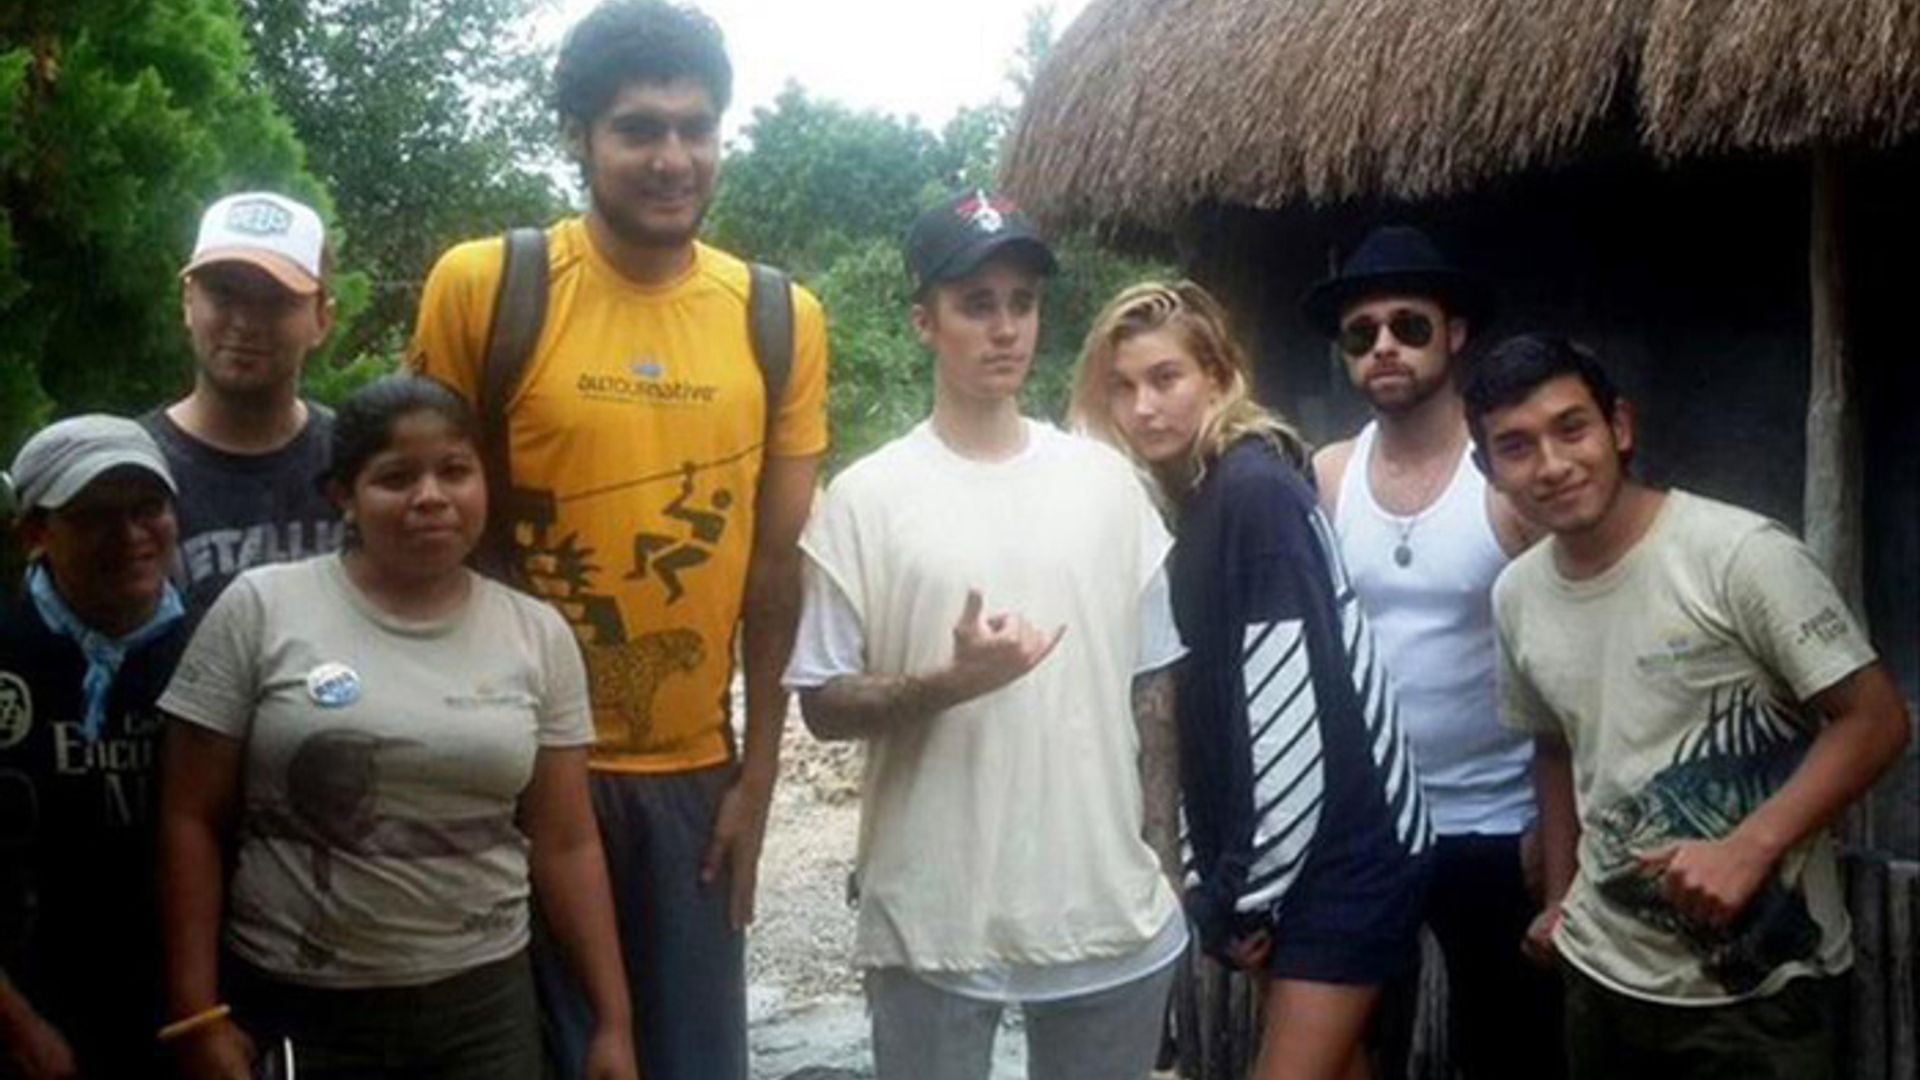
(986, 608)
(1704, 705)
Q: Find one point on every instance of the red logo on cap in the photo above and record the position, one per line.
(988, 212)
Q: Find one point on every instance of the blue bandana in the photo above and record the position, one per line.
(104, 654)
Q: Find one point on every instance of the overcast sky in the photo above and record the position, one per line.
(907, 57)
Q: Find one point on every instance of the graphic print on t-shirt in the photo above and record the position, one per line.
(333, 806)
(16, 709)
(666, 556)
(239, 511)
(626, 670)
(1745, 751)
(213, 557)
(106, 779)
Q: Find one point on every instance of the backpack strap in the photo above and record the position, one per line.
(770, 329)
(519, 312)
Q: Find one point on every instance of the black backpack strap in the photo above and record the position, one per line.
(770, 329)
(519, 312)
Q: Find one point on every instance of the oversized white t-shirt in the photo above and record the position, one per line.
(384, 762)
(1678, 677)
(1007, 830)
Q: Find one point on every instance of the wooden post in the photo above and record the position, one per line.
(1831, 498)
(1865, 1054)
(1903, 969)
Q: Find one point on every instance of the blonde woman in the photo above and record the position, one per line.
(1306, 825)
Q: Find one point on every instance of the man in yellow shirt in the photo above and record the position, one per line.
(656, 504)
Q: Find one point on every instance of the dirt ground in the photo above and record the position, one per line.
(802, 940)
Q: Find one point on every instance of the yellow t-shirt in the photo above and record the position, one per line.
(636, 436)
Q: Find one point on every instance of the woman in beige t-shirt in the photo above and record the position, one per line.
(388, 752)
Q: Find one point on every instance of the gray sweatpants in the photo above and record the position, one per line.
(921, 1032)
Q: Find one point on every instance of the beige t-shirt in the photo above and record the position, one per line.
(1007, 830)
(1677, 677)
(384, 763)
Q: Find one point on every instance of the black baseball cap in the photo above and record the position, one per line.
(951, 240)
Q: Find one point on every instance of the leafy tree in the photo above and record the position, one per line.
(119, 121)
(427, 119)
(817, 177)
(881, 381)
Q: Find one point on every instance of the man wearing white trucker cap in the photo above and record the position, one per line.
(84, 653)
(245, 446)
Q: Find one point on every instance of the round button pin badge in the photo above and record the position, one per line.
(333, 685)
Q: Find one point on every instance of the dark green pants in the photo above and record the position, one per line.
(482, 1024)
(1789, 1035)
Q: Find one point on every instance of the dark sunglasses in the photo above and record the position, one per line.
(1409, 328)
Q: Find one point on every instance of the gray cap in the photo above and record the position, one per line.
(63, 458)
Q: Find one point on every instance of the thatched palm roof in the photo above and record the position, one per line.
(1147, 107)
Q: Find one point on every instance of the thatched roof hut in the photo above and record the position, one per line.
(1722, 195)
(1586, 151)
(1147, 108)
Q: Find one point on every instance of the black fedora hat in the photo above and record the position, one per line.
(1397, 259)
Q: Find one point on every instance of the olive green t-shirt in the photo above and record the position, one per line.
(1678, 678)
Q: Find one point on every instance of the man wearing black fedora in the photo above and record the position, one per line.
(1424, 537)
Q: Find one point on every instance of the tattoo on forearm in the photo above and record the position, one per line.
(1153, 694)
(861, 706)
(1153, 714)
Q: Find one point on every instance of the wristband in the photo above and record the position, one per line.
(204, 1018)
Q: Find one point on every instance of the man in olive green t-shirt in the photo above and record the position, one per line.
(1704, 705)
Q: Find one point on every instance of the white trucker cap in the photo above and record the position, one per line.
(272, 232)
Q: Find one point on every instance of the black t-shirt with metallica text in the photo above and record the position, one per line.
(239, 511)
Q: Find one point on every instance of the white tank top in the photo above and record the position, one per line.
(1426, 584)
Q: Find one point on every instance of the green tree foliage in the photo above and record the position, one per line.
(119, 121)
(827, 192)
(881, 383)
(819, 177)
(427, 119)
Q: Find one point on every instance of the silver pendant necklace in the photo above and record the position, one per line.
(1431, 493)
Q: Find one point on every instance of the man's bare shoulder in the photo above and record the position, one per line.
(1513, 531)
(1329, 467)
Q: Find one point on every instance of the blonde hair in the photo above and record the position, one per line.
(1196, 318)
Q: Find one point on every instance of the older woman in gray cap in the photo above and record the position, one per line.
(83, 655)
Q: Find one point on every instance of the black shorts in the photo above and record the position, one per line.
(1353, 917)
